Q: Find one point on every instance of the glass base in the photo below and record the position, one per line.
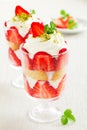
(44, 113)
(18, 82)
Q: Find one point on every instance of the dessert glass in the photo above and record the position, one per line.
(16, 32)
(14, 56)
(44, 82)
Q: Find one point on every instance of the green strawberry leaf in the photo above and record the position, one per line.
(67, 116)
(64, 14)
(49, 29)
(32, 11)
(72, 24)
(64, 120)
(52, 25)
(67, 112)
(72, 117)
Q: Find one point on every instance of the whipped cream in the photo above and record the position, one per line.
(23, 26)
(51, 46)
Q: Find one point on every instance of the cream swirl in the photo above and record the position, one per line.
(51, 46)
(23, 26)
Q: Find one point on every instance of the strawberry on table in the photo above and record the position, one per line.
(37, 29)
(43, 61)
(44, 90)
(13, 57)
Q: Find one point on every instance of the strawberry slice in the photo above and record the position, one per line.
(37, 29)
(5, 24)
(26, 59)
(61, 23)
(43, 61)
(62, 60)
(13, 35)
(19, 10)
(27, 86)
(49, 90)
(61, 85)
(37, 90)
(44, 90)
(13, 58)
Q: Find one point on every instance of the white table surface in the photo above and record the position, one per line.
(14, 103)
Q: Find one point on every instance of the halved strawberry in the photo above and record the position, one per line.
(13, 57)
(62, 60)
(43, 61)
(27, 62)
(49, 90)
(27, 86)
(37, 29)
(61, 23)
(13, 35)
(37, 90)
(61, 85)
(19, 10)
(44, 90)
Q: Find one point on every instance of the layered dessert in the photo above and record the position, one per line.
(65, 21)
(44, 59)
(17, 30)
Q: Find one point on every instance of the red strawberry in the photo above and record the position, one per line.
(61, 23)
(49, 90)
(27, 86)
(5, 24)
(26, 59)
(19, 10)
(13, 57)
(62, 60)
(37, 90)
(37, 29)
(13, 35)
(44, 90)
(43, 61)
(61, 85)
(27, 34)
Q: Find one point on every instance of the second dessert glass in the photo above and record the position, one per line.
(14, 40)
(17, 30)
(44, 80)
